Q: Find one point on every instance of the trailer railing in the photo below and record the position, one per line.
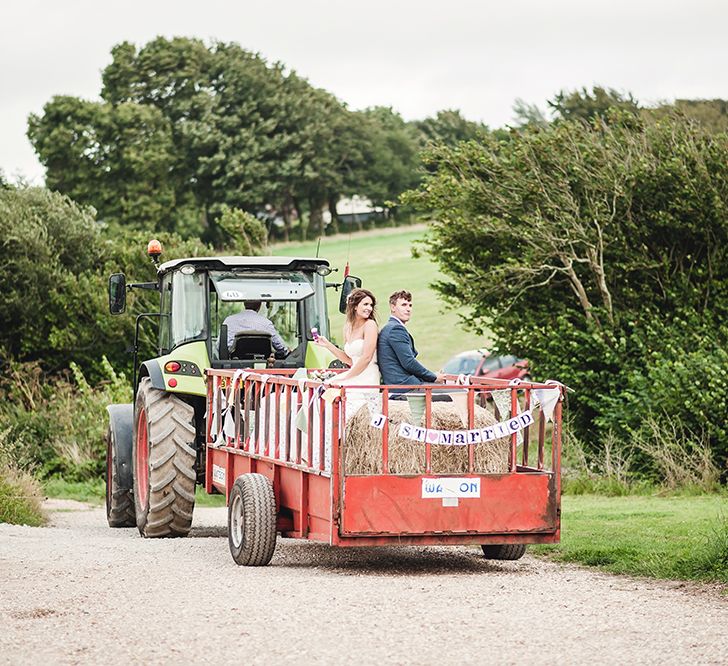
(299, 421)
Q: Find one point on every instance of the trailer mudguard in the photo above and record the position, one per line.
(121, 422)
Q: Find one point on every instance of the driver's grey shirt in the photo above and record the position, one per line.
(250, 320)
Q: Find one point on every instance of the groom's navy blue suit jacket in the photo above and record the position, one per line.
(396, 355)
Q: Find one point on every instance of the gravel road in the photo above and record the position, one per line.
(80, 593)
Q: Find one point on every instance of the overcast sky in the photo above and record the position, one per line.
(418, 57)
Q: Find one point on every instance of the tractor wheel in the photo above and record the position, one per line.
(119, 500)
(164, 462)
(252, 520)
(504, 551)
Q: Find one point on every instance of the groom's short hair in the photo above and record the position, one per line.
(400, 294)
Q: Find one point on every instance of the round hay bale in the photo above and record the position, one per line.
(363, 444)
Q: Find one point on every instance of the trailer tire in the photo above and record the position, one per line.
(164, 462)
(252, 520)
(504, 551)
(119, 500)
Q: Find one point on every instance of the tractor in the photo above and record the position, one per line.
(155, 446)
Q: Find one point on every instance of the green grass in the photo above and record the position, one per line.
(203, 499)
(676, 537)
(384, 262)
(93, 492)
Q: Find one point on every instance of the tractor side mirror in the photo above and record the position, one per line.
(348, 285)
(117, 293)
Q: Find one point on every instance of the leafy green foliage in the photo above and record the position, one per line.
(56, 427)
(598, 252)
(449, 128)
(585, 105)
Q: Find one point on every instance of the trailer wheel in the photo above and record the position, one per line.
(119, 500)
(504, 551)
(252, 520)
(164, 462)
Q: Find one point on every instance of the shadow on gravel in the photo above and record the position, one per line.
(390, 560)
(207, 531)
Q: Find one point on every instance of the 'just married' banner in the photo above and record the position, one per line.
(459, 437)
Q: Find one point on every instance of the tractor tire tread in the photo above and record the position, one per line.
(172, 455)
(504, 551)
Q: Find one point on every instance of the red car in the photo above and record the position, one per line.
(480, 363)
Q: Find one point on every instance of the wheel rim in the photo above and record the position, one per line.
(142, 459)
(236, 521)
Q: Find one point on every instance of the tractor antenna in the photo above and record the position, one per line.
(318, 246)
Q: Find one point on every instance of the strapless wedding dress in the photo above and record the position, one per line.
(370, 376)
(355, 399)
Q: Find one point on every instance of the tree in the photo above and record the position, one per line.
(712, 114)
(581, 104)
(528, 114)
(591, 250)
(115, 158)
(448, 127)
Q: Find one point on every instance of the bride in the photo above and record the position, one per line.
(360, 348)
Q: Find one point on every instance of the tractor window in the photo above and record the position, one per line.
(316, 311)
(284, 318)
(188, 307)
(166, 309)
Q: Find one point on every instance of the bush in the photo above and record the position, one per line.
(57, 426)
(600, 253)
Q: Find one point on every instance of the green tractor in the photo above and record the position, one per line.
(155, 446)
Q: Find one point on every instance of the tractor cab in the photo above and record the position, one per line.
(199, 294)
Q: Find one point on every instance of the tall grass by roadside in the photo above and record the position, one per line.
(663, 457)
(21, 495)
(55, 426)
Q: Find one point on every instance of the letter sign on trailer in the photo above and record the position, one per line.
(442, 487)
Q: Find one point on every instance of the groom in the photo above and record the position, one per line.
(396, 351)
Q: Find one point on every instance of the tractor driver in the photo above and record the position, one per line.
(251, 320)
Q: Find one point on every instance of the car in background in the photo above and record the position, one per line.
(481, 363)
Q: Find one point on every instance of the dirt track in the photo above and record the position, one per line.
(79, 592)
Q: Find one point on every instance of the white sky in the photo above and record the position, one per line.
(418, 57)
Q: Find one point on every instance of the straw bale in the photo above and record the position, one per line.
(363, 444)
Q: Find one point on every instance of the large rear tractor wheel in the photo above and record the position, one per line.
(504, 551)
(164, 463)
(119, 500)
(252, 520)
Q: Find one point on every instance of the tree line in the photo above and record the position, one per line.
(184, 129)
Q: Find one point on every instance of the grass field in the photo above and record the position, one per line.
(677, 537)
(384, 262)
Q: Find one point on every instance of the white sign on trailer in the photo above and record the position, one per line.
(436, 488)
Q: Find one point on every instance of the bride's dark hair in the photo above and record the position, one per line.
(355, 297)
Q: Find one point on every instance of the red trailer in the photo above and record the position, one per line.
(276, 447)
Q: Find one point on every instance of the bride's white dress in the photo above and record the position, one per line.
(355, 399)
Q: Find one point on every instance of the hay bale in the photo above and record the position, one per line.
(363, 444)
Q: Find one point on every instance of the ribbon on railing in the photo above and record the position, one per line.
(547, 399)
(502, 400)
(302, 415)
